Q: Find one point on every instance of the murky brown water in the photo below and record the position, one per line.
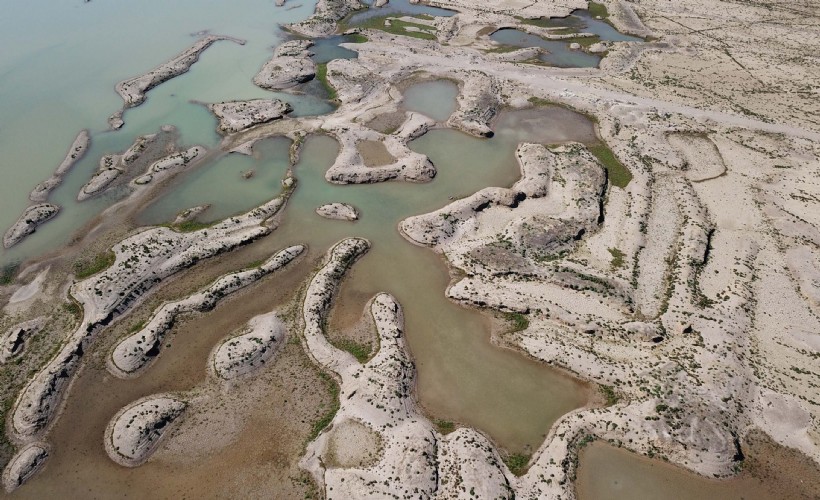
(610, 473)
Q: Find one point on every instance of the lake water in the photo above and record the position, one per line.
(60, 63)
(559, 54)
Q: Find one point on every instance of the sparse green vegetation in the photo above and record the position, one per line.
(444, 426)
(596, 9)
(617, 258)
(583, 41)
(609, 393)
(541, 22)
(503, 49)
(325, 419)
(619, 175)
(518, 321)
(191, 226)
(585, 440)
(137, 327)
(517, 463)
(359, 351)
(88, 267)
(5, 445)
(399, 27)
(321, 75)
(537, 101)
(73, 309)
(357, 38)
(8, 273)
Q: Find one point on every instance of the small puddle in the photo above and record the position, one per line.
(581, 21)
(436, 99)
(396, 7)
(559, 54)
(327, 49)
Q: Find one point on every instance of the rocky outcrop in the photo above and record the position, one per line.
(190, 214)
(115, 121)
(319, 298)
(477, 104)
(164, 166)
(141, 262)
(291, 65)
(236, 116)
(110, 169)
(409, 459)
(412, 460)
(135, 151)
(23, 465)
(409, 166)
(338, 211)
(324, 19)
(33, 217)
(133, 90)
(138, 350)
(134, 433)
(113, 166)
(13, 341)
(75, 153)
(498, 230)
(242, 354)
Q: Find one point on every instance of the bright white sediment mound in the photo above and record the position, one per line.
(338, 211)
(134, 433)
(23, 465)
(247, 352)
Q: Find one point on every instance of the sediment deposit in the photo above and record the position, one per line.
(137, 350)
(236, 116)
(248, 351)
(134, 433)
(33, 217)
(673, 263)
(140, 263)
(338, 211)
(290, 65)
(75, 153)
(23, 465)
(166, 166)
(13, 341)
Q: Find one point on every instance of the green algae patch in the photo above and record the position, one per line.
(85, 268)
(321, 75)
(618, 174)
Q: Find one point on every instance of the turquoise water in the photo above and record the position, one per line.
(436, 99)
(59, 78)
(582, 21)
(397, 7)
(221, 184)
(327, 49)
(559, 54)
(604, 30)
